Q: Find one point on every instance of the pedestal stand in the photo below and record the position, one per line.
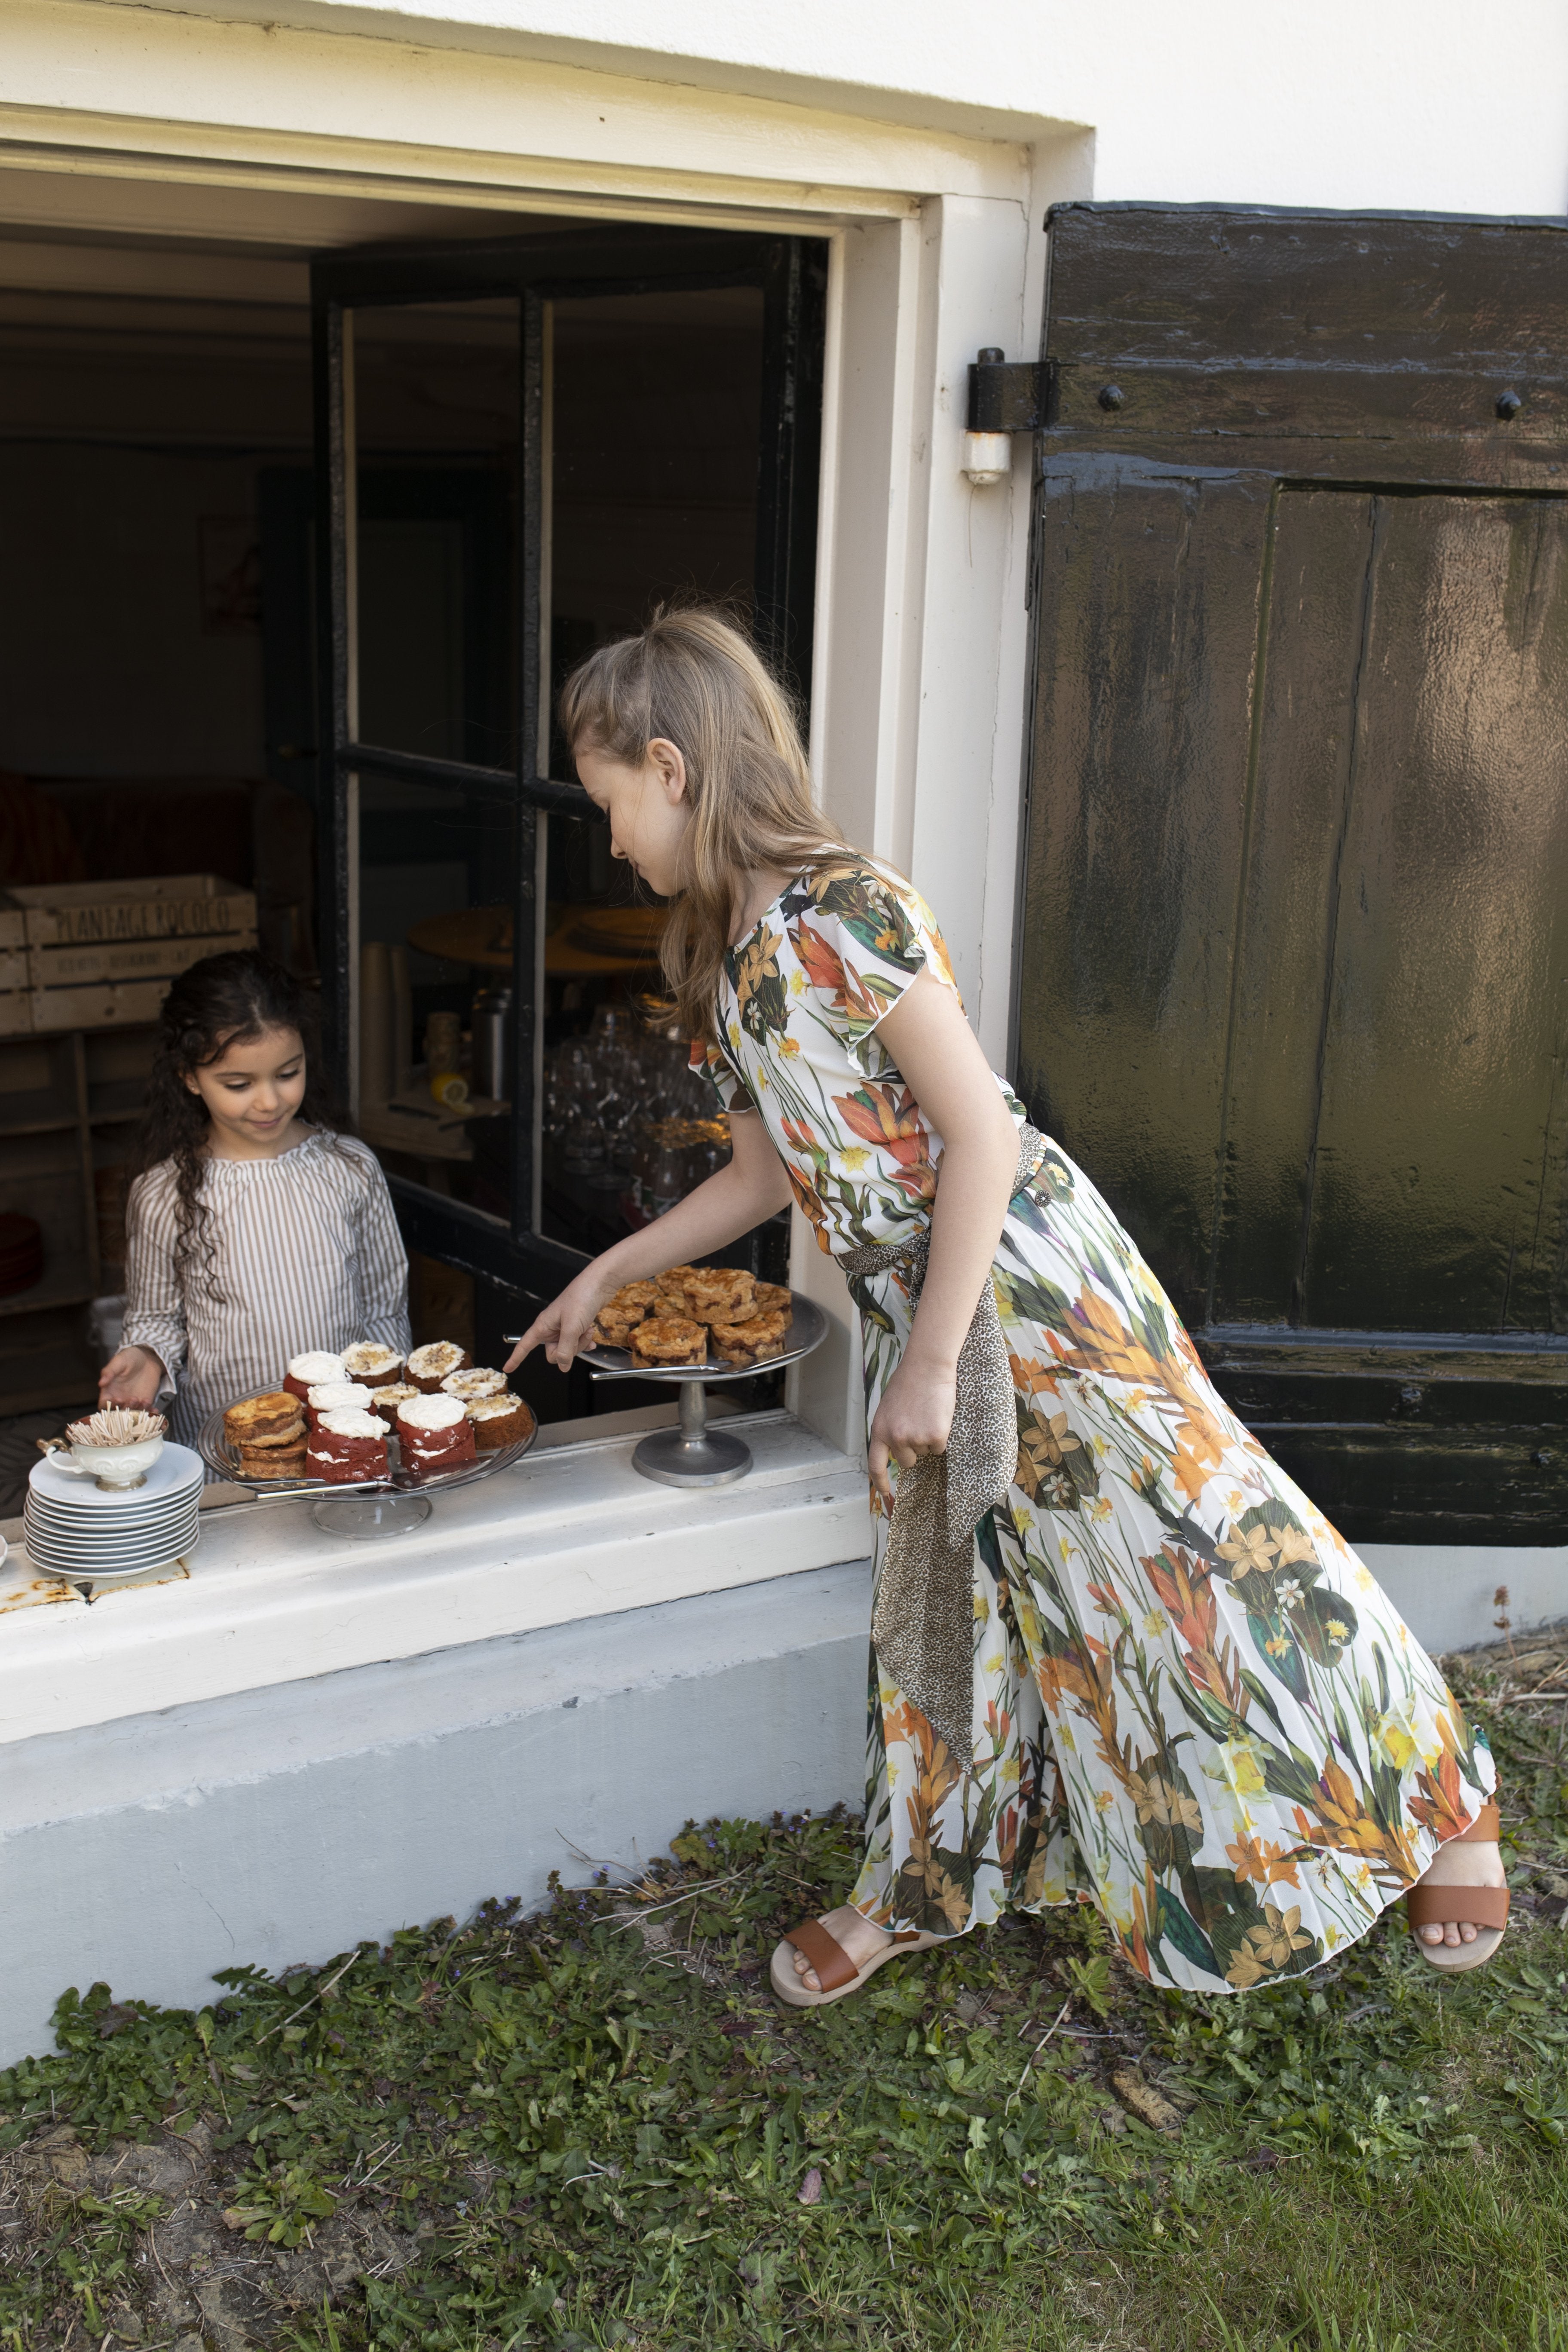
(693, 1454)
(371, 1515)
(388, 1505)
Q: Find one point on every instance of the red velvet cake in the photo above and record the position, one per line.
(347, 1447)
(371, 1364)
(333, 1396)
(312, 1370)
(434, 1433)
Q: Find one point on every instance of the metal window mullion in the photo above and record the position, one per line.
(457, 775)
(543, 572)
(794, 297)
(336, 859)
(527, 918)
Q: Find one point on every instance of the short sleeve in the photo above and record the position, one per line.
(733, 1093)
(862, 939)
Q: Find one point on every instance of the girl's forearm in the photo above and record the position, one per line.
(974, 1187)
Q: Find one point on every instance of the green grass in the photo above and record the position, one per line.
(595, 2127)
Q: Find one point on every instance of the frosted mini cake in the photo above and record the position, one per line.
(311, 1370)
(428, 1367)
(434, 1433)
(346, 1447)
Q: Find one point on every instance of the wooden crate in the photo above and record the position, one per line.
(110, 1005)
(95, 914)
(130, 959)
(99, 955)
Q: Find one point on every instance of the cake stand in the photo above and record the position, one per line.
(393, 1505)
(693, 1454)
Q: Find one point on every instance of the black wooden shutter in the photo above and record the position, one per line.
(1294, 970)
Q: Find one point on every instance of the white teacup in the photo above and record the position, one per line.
(116, 1466)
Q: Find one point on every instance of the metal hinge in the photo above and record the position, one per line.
(1008, 395)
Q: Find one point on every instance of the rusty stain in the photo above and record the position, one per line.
(41, 1592)
(35, 1593)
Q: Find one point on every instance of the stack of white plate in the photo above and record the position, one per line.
(77, 1528)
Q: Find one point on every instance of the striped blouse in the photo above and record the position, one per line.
(308, 1255)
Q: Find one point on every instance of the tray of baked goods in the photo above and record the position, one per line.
(702, 1323)
(368, 1434)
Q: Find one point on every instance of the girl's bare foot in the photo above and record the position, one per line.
(1461, 1862)
(854, 1934)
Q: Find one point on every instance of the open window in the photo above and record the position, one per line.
(521, 448)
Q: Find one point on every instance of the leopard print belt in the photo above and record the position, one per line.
(922, 1622)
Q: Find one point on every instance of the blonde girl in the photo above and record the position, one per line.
(1134, 1664)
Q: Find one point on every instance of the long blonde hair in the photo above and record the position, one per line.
(692, 679)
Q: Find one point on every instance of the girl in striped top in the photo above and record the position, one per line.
(254, 1230)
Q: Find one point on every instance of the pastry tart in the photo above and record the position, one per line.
(753, 1341)
(671, 1339)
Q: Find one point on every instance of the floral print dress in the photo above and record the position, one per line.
(1192, 1705)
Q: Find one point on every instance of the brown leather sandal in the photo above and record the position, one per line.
(835, 1971)
(1486, 1907)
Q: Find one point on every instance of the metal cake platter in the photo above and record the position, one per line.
(693, 1454)
(392, 1506)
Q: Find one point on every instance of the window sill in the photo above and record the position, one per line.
(572, 1533)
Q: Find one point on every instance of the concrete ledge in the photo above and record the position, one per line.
(283, 1824)
(1447, 1593)
(571, 1534)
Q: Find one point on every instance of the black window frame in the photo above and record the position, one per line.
(545, 267)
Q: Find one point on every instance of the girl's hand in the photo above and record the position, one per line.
(133, 1376)
(565, 1323)
(912, 1420)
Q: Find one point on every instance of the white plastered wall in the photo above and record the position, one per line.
(1413, 105)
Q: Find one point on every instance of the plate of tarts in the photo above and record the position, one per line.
(702, 1322)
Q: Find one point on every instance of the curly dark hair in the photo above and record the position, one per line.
(224, 1001)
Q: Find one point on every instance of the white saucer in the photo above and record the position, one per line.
(111, 1573)
(112, 1563)
(99, 1532)
(127, 1506)
(98, 1524)
(176, 1469)
(109, 1553)
(94, 1538)
(107, 1537)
